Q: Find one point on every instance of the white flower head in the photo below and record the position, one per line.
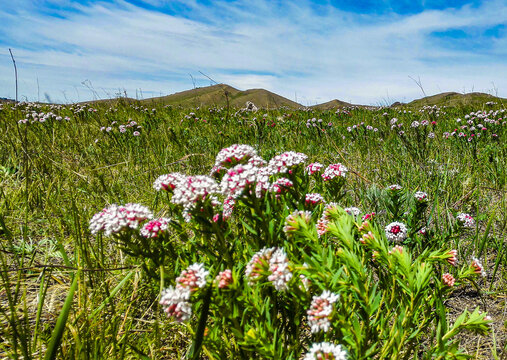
(116, 218)
(326, 351)
(396, 232)
(176, 303)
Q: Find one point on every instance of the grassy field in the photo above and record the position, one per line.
(69, 290)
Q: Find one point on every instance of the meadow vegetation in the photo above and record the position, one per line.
(161, 232)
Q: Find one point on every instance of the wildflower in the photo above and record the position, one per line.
(314, 199)
(319, 314)
(396, 231)
(334, 170)
(272, 261)
(116, 218)
(279, 268)
(292, 222)
(322, 226)
(228, 206)
(415, 124)
(224, 279)
(477, 267)
(352, 211)
(368, 216)
(451, 257)
(395, 187)
(466, 220)
(154, 228)
(237, 179)
(234, 154)
(423, 231)
(281, 185)
(313, 168)
(136, 133)
(285, 162)
(421, 196)
(366, 238)
(326, 351)
(397, 248)
(448, 279)
(259, 264)
(194, 189)
(168, 182)
(193, 277)
(431, 135)
(175, 302)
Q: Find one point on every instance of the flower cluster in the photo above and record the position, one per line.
(155, 227)
(313, 168)
(116, 218)
(193, 189)
(314, 199)
(281, 185)
(272, 261)
(448, 279)
(292, 222)
(477, 267)
(224, 278)
(326, 351)
(319, 314)
(168, 182)
(234, 154)
(466, 220)
(334, 170)
(237, 179)
(279, 268)
(193, 277)
(396, 232)
(352, 211)
(421, 196)
(285, 162)
(176, 303)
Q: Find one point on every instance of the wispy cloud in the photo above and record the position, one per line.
(316, 51)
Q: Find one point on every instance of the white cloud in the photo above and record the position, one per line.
(333, 54)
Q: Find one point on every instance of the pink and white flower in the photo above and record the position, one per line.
(334, 171)
(326, 351)
(314, 199)
(285, 162)
(176, 303)
(155, 227)
(396, 232)
(234, 154)
(321, 308)
(115, 218)
(168, 182)
(193, 277)
(313, 168)
(466, 220)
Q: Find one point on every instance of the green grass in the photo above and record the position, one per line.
(67, 294)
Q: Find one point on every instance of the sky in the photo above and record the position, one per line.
(311, 51)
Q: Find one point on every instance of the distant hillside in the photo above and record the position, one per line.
(215, 95)
(454, 99)
(331, 105)
(5, 100)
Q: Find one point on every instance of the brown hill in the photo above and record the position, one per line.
(455, 99)
(217, 95)
(331, 105)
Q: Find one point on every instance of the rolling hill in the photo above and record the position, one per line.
(330, 105)
(454, 99)
(217, 95)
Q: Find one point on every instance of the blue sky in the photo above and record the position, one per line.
(361, 51)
